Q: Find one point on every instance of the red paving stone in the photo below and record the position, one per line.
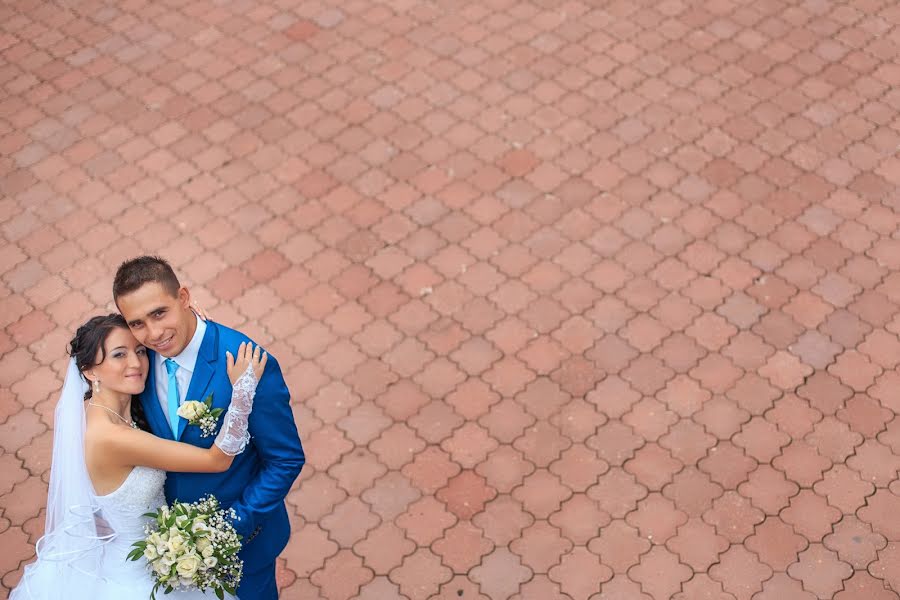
(581, 300)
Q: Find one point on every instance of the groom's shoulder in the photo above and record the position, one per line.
(228, 335)
(230, 339)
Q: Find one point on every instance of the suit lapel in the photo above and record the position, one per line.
(203, 370)
(150, 402)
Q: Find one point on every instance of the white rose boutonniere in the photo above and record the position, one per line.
(201, 414)
(191, 410)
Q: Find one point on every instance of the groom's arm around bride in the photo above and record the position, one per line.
(187, 362)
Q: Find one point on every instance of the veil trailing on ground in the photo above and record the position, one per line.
(75, 534)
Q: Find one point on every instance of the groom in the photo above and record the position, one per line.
(187, 362)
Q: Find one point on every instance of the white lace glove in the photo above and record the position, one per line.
(234, 434)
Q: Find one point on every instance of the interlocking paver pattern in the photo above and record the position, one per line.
(580, 300)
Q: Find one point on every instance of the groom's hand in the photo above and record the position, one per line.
(247, 356)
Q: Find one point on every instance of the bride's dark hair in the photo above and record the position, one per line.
(89, 340)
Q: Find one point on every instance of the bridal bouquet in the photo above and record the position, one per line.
(191, 546)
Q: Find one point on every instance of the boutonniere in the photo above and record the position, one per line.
(201, 414)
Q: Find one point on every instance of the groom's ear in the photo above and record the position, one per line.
(184, 297)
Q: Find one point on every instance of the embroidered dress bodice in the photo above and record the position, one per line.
(140, 493)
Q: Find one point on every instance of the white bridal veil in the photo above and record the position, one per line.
(71, 550)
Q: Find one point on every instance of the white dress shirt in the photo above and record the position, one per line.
(187, 361)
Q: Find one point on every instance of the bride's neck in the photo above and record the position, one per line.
(120, 403)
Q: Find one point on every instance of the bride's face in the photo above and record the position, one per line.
(124, 364)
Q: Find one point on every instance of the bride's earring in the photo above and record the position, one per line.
(96, 386)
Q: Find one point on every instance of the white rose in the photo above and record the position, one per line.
(199, 525)
(192, 410)
(210, 561)
(188, 565)
(180, 520)
(207, 552)
(150, 552)
(175, 543)
(155, 539)
(162, 566)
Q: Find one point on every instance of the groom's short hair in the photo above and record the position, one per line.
(134, 273)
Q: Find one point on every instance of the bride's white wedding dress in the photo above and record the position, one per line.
(83, 554)
(116, 577)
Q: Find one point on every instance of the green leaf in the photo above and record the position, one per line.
(220, 594)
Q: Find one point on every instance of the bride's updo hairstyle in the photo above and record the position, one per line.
(89, 341)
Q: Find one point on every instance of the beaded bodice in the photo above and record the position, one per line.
(141, 492)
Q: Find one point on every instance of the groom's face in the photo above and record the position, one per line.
(160, 321)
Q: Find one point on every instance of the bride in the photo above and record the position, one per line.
(106, 472)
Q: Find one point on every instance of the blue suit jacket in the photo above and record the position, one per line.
(259, 479)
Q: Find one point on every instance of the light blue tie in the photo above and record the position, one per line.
(171, 369)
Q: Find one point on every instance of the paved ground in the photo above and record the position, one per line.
(576, 300)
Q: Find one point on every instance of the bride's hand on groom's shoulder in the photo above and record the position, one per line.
(200, 312)
(247, 356)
